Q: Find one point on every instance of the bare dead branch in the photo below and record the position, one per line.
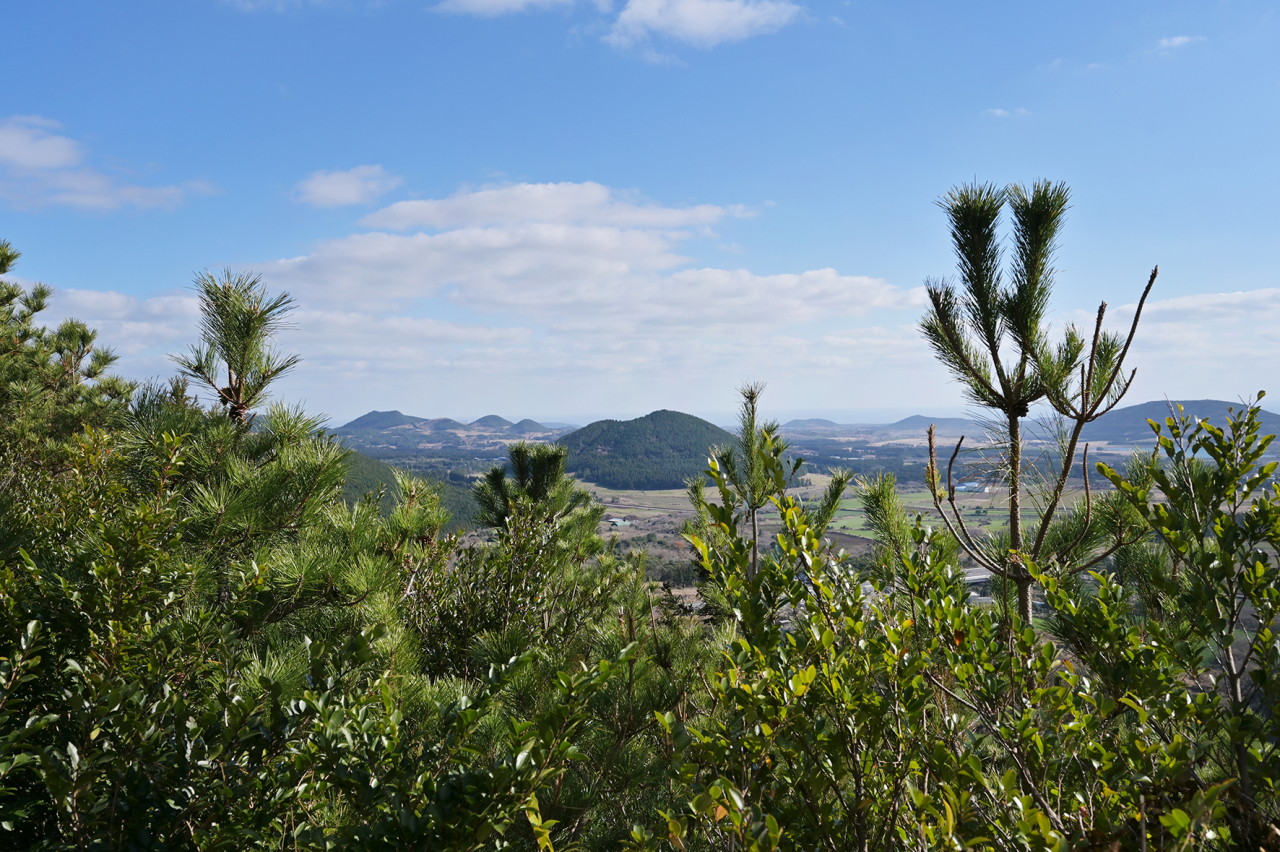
(963, 536)
(1133, 330)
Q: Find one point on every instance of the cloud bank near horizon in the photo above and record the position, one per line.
(577, 297)
(533, 292)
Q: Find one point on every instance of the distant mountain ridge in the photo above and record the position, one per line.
(382, 420)
(392, 434)
(493, 421)
(1129, 425)
(916, 423)
(943, 425)
(445, 424)
(811, 423)
(659, 450)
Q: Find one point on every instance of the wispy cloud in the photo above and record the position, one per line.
(40, 167)
(133, 327)
(1179, 41)
(1006, 113)
(558, 203)
(701, 23)
(494, 8)
(361, 185)
(580, 297)
(1211, 345)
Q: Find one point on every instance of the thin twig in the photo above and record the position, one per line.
(1088, 507)
(1133, 330)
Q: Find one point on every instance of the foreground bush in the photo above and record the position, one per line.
(905, 717)
(203, 647)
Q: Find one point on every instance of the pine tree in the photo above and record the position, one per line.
(238, 321)
(991, 335)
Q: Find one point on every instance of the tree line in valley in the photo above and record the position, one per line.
(202, 646)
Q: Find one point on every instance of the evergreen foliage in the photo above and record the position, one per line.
(369, 477)
(991, 335)
(237, 324)
(53, 382)
(204, 646)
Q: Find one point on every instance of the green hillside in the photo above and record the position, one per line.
(368, 474)
(659, 450)
(382, 420)
(446, 424)
(528, 427)
(492, 421)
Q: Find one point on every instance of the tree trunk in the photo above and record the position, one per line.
(1024, 598)
(755, 545)
(1243, 769)
(1017, 571)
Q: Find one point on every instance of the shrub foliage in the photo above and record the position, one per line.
(204, 646)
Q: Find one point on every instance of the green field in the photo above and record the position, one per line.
(982, 513)
(643, 504)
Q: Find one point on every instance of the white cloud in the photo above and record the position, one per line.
(567, 252)
(40, 167)
(562, 296)
(561, 203)
(598, 307)
(556, 288)
(702, 23)
(127, 324)
(1206, 345)
(361, 185)
(1004, 113)
(493, 8)
(338, 344)
(26, 142)
(533, 262)
(1179, 41)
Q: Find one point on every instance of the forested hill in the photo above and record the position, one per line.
(383, 420)
(1129, 425)
(659, 450)
(365, 474)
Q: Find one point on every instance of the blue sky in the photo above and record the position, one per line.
(573, 209)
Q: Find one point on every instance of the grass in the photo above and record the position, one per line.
(673, 501)
(642, 504)
(984, 514)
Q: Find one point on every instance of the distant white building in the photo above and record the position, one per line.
(973, 488)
